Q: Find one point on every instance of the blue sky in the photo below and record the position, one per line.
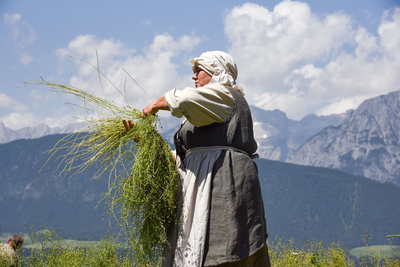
(301, 57)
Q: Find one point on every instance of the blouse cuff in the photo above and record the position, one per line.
(172, 104)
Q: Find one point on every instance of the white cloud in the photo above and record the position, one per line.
(60, 120)
(11, 19)
(390, 34)
(271, 43)
(7, 102)
(23, 33)
(26, 59)
(147, 22)
(296, 61)
(340, 105)
(39, 96)
(289, 58)
(154, 70)
(19, 114)
(23, 36)
(18, 120)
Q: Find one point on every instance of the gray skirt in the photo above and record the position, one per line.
(237, 227)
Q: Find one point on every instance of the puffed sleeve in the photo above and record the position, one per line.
(201, 106)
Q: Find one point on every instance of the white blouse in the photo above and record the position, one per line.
(201, 106)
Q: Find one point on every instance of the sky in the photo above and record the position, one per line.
(301, 57)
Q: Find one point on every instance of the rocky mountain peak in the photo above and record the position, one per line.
(365, 142)
(8, 134)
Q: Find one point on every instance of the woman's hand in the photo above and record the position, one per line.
(128, 125)
(155, 106)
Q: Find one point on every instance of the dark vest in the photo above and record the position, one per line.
(236, 131)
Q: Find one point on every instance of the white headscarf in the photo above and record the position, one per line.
(219, 65)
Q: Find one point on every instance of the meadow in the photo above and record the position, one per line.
(45, 248)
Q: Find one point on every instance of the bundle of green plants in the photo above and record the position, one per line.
(138, 165)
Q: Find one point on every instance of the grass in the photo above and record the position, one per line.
(47, 249)
(378, 250)
(335, 255)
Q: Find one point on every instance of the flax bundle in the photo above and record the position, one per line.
(141, 175)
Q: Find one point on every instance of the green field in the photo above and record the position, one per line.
(46, 248)
(380, 250)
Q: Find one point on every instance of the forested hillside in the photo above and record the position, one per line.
(311, 203)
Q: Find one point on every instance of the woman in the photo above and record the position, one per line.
(223, 222)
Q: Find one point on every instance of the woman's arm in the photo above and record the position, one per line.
(155, 106)
(152, 108)
(201, 106)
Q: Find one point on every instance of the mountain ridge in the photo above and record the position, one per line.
(277, 135)
(40, 130)
(366, 142)
(363, 141)
(301, 202)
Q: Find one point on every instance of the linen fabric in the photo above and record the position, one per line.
(212, 103)
(221, 201)
(196, 205)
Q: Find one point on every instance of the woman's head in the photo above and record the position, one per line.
(200, 77)
(218, 65)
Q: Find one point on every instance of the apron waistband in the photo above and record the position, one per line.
(203, 148)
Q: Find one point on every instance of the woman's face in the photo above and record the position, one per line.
(200, 77)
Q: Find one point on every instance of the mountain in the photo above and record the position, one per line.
(320, 204)
(277, 136)
(8, 135)
(362, 142)
(366, 142)
(302, 202)
(47, 198)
